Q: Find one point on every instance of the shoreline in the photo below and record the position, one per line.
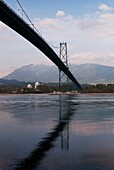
(56, 93)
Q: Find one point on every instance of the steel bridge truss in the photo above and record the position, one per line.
(63, 78)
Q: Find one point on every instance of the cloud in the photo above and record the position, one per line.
(104, 7)
(60, 13)
(48, 23)
(106, 18)
(93, 57)
(1, 24)
(100, 26)
(89, 23)
(112, 54)
(5, 33)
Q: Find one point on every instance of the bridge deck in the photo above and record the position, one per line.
(11, 19)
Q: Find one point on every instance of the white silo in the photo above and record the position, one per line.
(36, 85)
(29, 86)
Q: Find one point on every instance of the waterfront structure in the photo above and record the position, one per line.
(36, 85)
(29, 86)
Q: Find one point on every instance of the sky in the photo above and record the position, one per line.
(86, 25)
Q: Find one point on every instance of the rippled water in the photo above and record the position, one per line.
(51, 132)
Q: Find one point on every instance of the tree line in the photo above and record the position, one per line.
(47, 88)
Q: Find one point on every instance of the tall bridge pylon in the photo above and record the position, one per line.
(63, 78)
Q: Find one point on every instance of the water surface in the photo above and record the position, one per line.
(51, 132)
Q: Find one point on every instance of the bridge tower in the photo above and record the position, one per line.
(63, 78)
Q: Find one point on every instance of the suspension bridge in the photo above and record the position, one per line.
(9, 17)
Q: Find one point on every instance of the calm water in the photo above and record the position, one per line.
(50, 132)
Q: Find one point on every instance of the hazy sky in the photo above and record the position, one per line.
(86, 25)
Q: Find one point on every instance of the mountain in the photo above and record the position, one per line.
(94, 73)
(84, 73)
(5, 82)
(32, 73)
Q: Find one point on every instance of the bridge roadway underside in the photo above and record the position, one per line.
(11, 19)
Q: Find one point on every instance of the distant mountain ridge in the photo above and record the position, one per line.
(32, 73)
(84, 73)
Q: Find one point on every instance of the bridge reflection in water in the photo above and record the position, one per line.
(34, 159)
